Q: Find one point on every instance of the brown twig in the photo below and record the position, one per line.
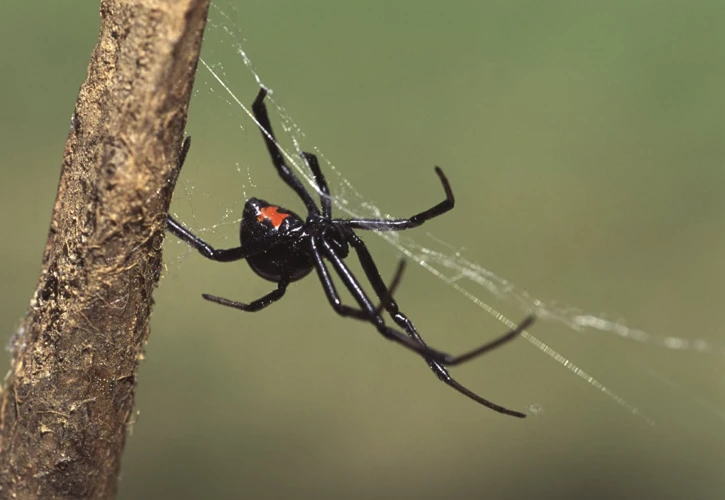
(69, 395)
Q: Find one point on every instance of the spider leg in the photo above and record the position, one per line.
(414, 221)
(260, 114)
(368, 312)
(387, 301)
(331, 292)
(182, 157)
(254, 306)
(325, 200)
(390, 290)
(204, 248)
(175, 227)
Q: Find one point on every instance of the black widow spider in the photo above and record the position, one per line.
(281, 247)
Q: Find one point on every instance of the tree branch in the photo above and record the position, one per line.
(69, 394)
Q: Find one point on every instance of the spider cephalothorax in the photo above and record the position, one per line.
(281, 247)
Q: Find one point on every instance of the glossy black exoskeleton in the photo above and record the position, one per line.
(281, 247)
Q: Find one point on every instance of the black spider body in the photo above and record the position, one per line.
(271, 235)
(281, 247)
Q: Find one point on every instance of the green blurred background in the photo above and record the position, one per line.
(584, 142)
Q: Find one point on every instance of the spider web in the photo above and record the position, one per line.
(445, 261)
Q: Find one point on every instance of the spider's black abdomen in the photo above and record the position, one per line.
(270, 232)
(271, 264)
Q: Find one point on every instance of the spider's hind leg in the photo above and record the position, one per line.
(389, 304)
(177, 229)
(255, 305)
(220, 255)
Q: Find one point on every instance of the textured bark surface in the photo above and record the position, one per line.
(68, 398)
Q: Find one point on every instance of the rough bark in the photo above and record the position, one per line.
(68, 397)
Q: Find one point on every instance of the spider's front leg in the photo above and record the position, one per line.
(411, 222)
